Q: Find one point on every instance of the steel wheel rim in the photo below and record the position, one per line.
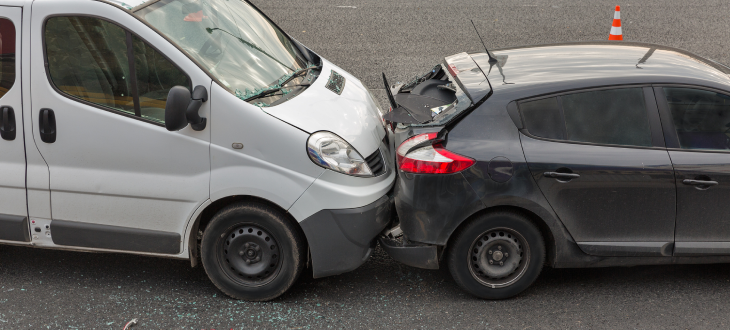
(249, 255)
(506, 246)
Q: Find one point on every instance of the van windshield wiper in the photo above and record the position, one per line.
(280, 85)
(271, 91)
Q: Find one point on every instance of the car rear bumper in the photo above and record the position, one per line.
(341, 240)
(415, 255)
(430, 207)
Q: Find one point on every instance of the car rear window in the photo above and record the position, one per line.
(611, 116)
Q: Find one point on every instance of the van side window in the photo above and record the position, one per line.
(87, 59)
(7, 55)
(155, 76)
(701, 118)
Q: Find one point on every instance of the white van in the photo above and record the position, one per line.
(190, 129)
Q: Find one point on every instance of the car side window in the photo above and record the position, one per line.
(7, 55)
(701, 118)
(543, 119)
(88, 59)
(610, 116)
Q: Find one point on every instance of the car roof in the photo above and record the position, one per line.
(555, 67)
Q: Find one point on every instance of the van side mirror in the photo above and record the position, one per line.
(182, 108)
(177, 102)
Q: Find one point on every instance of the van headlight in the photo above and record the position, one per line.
(331, 151)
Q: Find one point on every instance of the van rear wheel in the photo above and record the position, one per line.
(496, 255)
(251, 251)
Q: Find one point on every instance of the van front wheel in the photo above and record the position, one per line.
(250, 251)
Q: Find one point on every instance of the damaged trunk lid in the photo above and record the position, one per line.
(448, 91)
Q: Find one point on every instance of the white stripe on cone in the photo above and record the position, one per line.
(617, 15)
(615, 30)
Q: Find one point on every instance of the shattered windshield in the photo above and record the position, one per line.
(238, 45)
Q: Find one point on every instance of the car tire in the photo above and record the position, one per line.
(251, 251)
(496, 255)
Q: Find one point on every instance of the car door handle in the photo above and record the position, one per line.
(47, 125)
(563, 176)
(699, 182)
(7, 127)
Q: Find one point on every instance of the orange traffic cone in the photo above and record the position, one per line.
(616, 27)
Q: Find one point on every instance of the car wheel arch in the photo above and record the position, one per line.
(545, 231)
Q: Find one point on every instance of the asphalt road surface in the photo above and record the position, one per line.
(67, 290)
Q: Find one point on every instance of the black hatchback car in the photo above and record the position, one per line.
(568, 155)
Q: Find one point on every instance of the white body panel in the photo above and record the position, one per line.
(352, 115)
(109, 169)
(273, 163)
(12, 162)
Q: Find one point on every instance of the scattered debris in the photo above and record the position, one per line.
(130, 324)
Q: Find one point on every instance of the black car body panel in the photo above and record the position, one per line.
(585, 221)
(434, 205)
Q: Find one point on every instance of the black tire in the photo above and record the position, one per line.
(491, 238)
(239, 234)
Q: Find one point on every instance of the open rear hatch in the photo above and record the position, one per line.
(437, 97)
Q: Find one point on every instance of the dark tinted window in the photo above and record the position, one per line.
(701, 118)
(7, 55)
(87, 58)
(614, 116)
(542, 118)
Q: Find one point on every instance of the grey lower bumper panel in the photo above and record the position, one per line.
(14, 228)
(342, 240)
(421, 256)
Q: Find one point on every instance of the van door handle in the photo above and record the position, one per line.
(47, 125)
(561, 176)
(7, 127)
(699, 183)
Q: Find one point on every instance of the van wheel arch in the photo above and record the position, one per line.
(202, 222)
(545, 231)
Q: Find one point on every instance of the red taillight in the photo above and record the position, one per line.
(430, 159)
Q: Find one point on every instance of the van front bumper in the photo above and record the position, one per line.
(341, 240)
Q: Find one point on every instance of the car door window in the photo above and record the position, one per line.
(611, 116)
(88, 59)
(7, 55)
(614, 116)
(701, 118)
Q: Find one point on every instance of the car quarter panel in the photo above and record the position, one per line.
(489, 134)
